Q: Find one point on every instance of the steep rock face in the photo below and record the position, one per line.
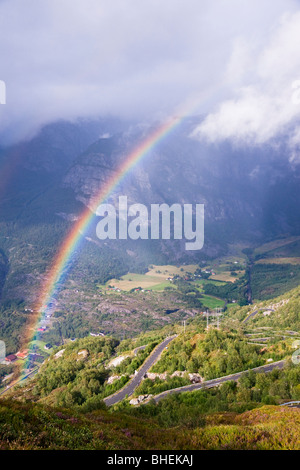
(234, 184)
(57, 145)
(250, 194)
(247, 192)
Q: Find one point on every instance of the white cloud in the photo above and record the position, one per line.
(263, 80)
(69, 58)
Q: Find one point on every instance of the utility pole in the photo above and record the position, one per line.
(183, 323)
(206, 319)
(219, 314)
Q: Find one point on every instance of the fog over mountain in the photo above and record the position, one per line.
(149, 226)
(234, 60)
(86, 82)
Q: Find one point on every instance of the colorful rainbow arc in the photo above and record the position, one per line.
(56, 273)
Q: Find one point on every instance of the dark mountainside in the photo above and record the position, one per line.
(250, 195)
(250, 198)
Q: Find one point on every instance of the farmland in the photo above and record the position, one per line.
(156, 278)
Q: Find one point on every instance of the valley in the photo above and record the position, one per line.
(80, 374)
(231, 307)
(149, 229)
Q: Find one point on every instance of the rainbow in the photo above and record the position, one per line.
(56, 274)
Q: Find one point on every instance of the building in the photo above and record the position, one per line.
(22, 354)
(11, 358)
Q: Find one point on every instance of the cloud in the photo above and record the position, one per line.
(264, 83)
(70, 58)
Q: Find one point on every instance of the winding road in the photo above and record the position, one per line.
(135, 382)
(155, 355)
(33, 372)
(130, 387)
(215, 382)
(250, 316)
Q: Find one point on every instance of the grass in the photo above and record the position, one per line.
(212, 302)
(154, 279)
(231, 305)
(274, 245)
(271, 280)
(132, 281)
(222, 267)
(202, 282)
(169, 270)
(162, 286)
(292, 260)
(40, 344)
(27, 426)
(226, 277)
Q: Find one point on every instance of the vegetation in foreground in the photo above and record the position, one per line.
(62, 408)
(33, 426)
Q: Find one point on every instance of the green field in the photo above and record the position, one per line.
(212, 302)
(154, 279)
(202, 282)
(162, 286)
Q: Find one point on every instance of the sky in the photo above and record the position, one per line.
(236, 62)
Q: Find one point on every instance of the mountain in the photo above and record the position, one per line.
(250, 196)
(68, 391)
(249, 193)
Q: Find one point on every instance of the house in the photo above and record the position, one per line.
(48, 346)
(22, 354)
(36, 358)
(11, 358)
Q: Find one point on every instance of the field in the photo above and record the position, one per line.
(226, 277)
(274, 245)
(133, 280)
(212, 302)
(202, 282)
(292, 260)
(224, 266)
(154, 279)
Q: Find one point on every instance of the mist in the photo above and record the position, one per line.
(233, 61)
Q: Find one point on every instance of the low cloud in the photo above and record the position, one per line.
(142, 59)
(264, 83)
